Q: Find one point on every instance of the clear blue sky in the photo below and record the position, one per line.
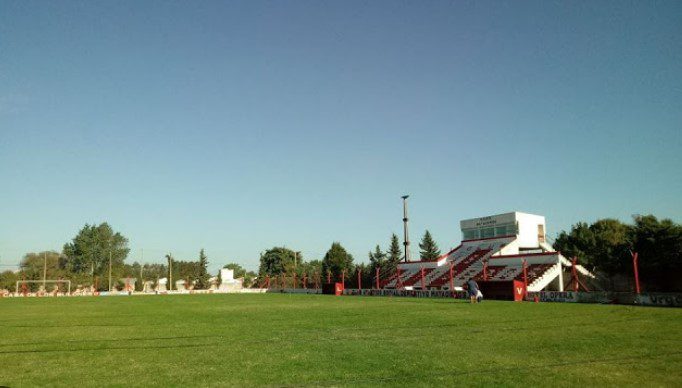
(238, 126)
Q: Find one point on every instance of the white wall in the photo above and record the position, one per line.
(226, 274)
(511, 248)
(537, 259)
(528, 229)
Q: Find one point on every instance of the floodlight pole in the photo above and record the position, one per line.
(406, 241)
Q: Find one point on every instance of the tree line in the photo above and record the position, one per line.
(337, 263)
(94, 253)
(606, 246)
(97, 250)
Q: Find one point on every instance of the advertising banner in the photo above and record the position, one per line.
(660, 299)
(553, 296)
(406, 293)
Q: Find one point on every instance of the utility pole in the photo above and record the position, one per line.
(45, 271)
(406, 242)
(141, 268)
(109, 270)
(170, 271)
(92, 257)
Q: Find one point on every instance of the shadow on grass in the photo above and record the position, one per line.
(325, 335)
(109, 340)
(627, 360)
(463, 326)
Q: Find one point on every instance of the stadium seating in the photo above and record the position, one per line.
(416, 278)
(507, 242)
(404, 276)
(468, 261)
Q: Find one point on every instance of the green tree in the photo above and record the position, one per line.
(336, 260)
(366, 276)
(8, 280)
(602, 246)
(134, 271)
(579, 242)
(659, 246)
(90, 250)
(378, 257)
(606, 246)
(428, 248)
(203, 277)
(153, 272)
(32, 265)
(612, 242)
(312, 269)
(394, 254)
(176, 270)
(278, 260)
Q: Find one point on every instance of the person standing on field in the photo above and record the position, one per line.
(472, 288)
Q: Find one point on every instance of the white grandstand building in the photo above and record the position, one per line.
(493, 248)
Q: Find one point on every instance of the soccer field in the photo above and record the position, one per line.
(311, 340)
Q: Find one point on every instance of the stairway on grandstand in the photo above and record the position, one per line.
(504, 242)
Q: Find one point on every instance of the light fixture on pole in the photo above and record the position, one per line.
(406, 241)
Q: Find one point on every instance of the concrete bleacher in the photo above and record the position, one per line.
(504, 242)
(415, 280)
(405, 274)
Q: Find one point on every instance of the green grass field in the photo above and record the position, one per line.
(310, 340)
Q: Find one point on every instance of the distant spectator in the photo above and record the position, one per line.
(472, 288)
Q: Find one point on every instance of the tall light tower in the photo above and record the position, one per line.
(406, 242)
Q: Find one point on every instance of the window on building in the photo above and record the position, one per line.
(541, 233)
(470, 234)
(487, 232)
